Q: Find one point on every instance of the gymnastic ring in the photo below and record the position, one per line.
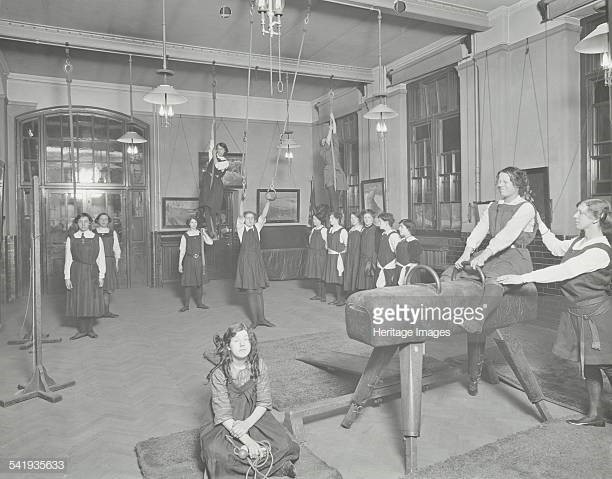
(271, 193)
(430, 270)
(467, 266)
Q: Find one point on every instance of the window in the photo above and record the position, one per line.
(435, 152)
(97, 157)
(596, 139)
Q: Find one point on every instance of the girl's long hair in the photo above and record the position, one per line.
(225, 357)
(599, 209)
(520, 180)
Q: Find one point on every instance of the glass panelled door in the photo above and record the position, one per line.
(60, 209)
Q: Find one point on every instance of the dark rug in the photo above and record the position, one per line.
(295, 383)
(553, 450)
(559, 379)
(177, 456)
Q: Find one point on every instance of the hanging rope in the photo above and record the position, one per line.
(245, 137)
(332, 129)
(214, 123)
(297, 68)
(518, 116)
(68, 72)
(488, 76)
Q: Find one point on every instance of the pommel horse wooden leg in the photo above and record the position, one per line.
(476, 343)
(411, 374)
(512, 351)
(379, 358)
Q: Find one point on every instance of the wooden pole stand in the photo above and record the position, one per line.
(41, 384)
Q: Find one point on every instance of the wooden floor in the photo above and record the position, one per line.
(144, 377)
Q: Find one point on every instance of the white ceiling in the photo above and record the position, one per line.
(336, 34)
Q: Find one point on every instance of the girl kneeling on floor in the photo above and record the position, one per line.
(241, 404)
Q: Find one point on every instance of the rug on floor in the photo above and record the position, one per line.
(177, 456)
(295, 383)
(553, 450)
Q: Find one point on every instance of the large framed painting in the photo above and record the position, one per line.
(233, 176)
(373, 195)
(176, 211)
(286, 207)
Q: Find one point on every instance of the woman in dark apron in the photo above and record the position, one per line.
(191, 264)
(368, 252)
(337, 237)
(251, 275)
(112, 253)
(512, 226)
(316, 254)
(585, 273)
(241, 417)
(211, 190)
(352, 254)
(84, 271)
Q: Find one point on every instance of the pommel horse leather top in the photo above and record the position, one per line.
(370, 312)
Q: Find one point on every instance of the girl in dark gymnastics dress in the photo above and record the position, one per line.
(241, 404)
(190, 264)
(112, 253)
(368, 252)
(512, 225)
(337, 237)
(316, 254)
(407, 252)
(211, 192)
(251, 272)
(386, 251)
(84, 271)
(352, 255)
(585, 272)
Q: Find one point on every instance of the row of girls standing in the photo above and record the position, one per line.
(365, 257)
(90, 272)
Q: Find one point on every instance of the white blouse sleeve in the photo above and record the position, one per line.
(556, 246)
(116, 247)
(68, 260)
(587, 262)
(480, 230)
(101, 260)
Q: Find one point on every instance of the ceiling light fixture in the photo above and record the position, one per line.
(165, 95)
(381, 112)
(131, 138)
(288, 144)
(272, 11)
(596, 43)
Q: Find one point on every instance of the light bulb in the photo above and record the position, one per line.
(170, 111)
(162, 110)
(605, 60)
(381, 127)
(289, 154)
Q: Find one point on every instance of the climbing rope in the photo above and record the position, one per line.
(256, 466)
(68, 72)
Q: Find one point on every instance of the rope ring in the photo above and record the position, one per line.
(68, 67)
(280, 86)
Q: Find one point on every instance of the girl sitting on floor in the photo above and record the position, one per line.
(241, 404)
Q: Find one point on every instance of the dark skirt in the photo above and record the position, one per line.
(314, 267)
(509, 261)
(111, 282)
(365, 280)
(331, 275)
(218, 453)
(351, 266)
(575, 332)
(85, 299)
(251, 271)
(193, 271)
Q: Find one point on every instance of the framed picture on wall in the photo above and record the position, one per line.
(233, 176)
(538, 181)
(286, 207)
(373, 195)
(176, 211)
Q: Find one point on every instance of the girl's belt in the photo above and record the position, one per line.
(584, 311)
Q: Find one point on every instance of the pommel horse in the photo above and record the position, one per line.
(514, 308)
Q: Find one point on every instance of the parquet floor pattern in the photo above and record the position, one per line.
(142, 377)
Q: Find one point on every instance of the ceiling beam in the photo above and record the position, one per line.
(121, 45)
(551, 9)
(434, 11)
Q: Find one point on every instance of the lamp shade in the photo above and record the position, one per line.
(131, 137)
(595, 42)
(380, 112)
(164, 95)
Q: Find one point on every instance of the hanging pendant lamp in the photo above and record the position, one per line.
(380, 112)
(288, 144)
(596, 43)
(131, 138)
(165, 95)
